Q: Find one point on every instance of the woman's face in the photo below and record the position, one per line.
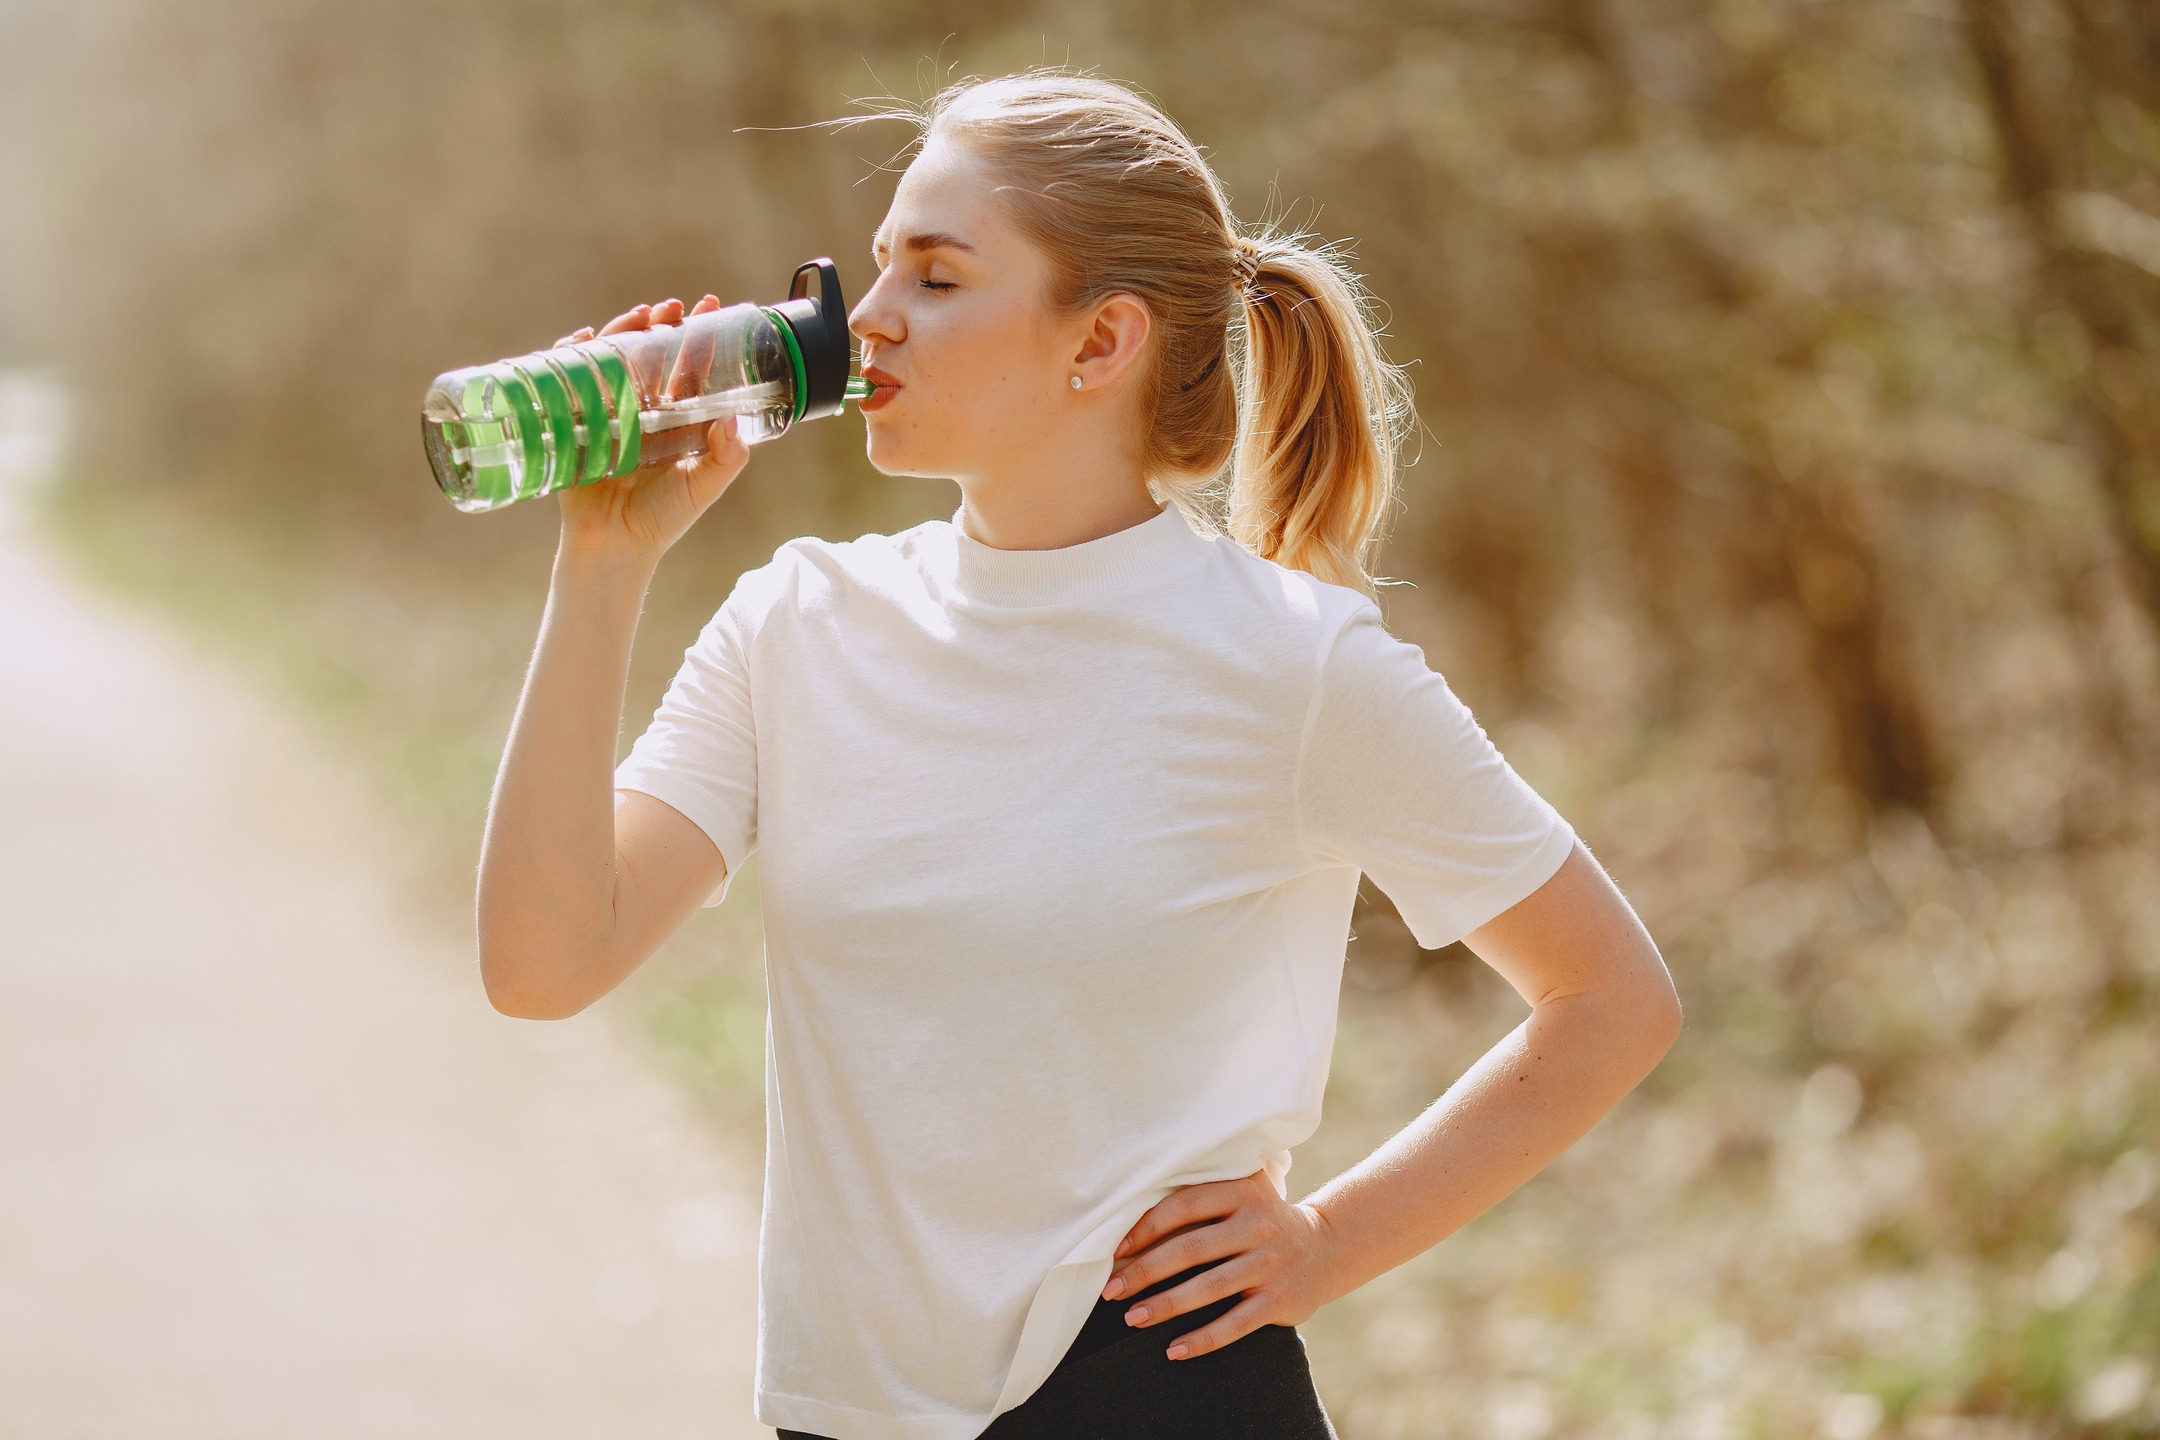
(972, 368)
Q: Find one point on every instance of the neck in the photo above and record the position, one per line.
(1051, 519)
(1061, 494)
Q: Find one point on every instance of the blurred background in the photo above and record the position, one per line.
(1787, 506)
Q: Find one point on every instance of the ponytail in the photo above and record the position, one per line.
(1314, 471)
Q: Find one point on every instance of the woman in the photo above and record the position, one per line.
(1063, 807)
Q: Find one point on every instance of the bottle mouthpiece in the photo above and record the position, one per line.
(817, 324)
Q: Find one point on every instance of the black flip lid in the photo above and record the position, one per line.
(820, 326)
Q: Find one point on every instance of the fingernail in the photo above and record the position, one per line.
(1177, 1352)
(1115, 1288)
(1138, 1315)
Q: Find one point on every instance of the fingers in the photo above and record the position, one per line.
(638, 317)
(670, 312)
(583, 332)
(1217, 1241)
(695, 358)
(642, 317)
(1184, 1207)
(1235, 1323)
(1231, 1277)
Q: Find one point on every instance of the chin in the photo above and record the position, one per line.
(890, 457)
(881, 459)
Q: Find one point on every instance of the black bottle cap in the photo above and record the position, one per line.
(819, 323)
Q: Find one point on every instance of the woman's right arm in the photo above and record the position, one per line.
(578, 884)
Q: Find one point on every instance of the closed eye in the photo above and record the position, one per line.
(938, 284)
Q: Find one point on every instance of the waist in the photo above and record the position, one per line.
(1105, 1324)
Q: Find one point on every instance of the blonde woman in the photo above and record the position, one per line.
(1063, 805)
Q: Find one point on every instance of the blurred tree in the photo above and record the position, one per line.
(2074, 89)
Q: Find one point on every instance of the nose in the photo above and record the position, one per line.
(873, 317)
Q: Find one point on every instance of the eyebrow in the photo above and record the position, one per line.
(926, 240)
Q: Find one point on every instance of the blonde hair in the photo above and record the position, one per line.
(1265, 356)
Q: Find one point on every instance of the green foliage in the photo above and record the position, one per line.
(1785, 507)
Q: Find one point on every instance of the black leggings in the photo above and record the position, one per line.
(1115, 1383)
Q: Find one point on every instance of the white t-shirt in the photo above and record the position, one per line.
(1060, 848)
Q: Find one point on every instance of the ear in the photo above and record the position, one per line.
(1113, 336)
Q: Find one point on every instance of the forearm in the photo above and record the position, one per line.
(547, 862)
(1535, 1093)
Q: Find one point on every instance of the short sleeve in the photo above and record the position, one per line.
(1397, 778)
(699, 754)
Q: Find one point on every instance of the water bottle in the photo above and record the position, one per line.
(603, 407)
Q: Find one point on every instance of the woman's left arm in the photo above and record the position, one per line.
(1603, 1012)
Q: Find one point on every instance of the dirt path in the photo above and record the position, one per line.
(269, 1165)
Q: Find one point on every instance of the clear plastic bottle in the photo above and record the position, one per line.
(602, 407)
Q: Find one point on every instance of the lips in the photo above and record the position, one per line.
(878, 399)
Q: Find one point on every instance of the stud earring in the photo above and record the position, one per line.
(1076, 382)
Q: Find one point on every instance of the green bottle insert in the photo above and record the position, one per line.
(538, 423)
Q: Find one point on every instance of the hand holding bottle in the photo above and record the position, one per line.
(638, 401)
(649, 509)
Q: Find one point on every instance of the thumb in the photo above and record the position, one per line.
(724, 457)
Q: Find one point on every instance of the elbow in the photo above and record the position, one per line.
(516, 988)
(1661, 1018)
(1639, 1011)
(526, 970)
(1671, 1019)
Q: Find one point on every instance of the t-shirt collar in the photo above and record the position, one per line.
(1157, 547)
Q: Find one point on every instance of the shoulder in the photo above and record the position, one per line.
(811, 572)
(817, 564)
(865, 555)
(1299, 610)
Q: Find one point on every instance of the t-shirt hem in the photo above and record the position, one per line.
(1499, 895)
(784, 1411)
